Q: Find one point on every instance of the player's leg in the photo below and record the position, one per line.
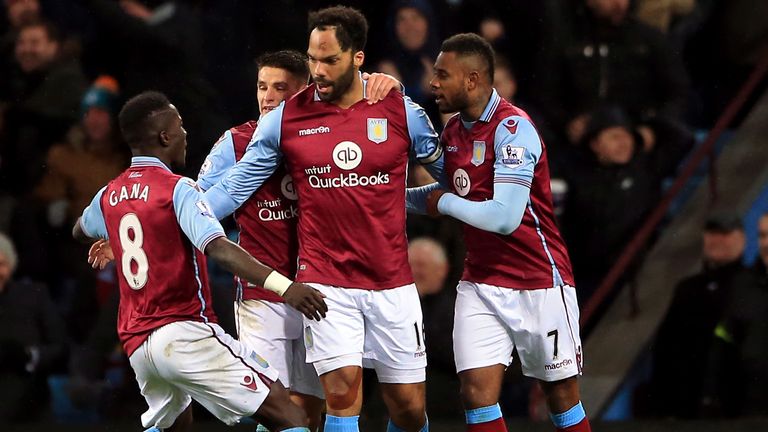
(394, 337)
(268, 328)
(168, 406)
(335, 348)
(550, 351)
(482, 349)
(223, 375)
(306, 390)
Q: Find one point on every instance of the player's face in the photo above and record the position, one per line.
(449, 83)
(177, 139)
(332, 69)
(274, 86)
(762, 238)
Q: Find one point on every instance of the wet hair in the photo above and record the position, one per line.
(350, 24)
(471, 44)
(292, 61)
(137, 114)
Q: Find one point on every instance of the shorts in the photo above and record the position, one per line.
(188, 360)
(382, 330)
(274, 330)
(542, 324)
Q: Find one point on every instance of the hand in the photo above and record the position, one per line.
(577, 127)
(100, 254)
(432, 199)
(306, 300)
(649, 138)
(379, 85)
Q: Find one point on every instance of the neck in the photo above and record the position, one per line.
(353, 94)
(153, 153)
(477, 105)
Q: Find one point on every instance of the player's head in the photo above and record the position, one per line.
(282, 74)
(152, 126)
(336, 42)
(8, 260)
(464, 67)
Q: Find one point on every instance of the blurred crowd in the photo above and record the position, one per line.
(616, 88)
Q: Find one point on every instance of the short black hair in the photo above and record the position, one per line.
(351, 25)
(137, 113)
(471, 44)
(292, 61)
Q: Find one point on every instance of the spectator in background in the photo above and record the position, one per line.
(158, 44)
(18, 12)
(661, 14)
(738, 374)
(609, 57)
(43, 102)
(687, 332)
(414, 44)
(612, 183)
(32, 341)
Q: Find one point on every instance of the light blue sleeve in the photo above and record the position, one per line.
(261, 159)
(424, 140)
(92, 221)
(517, 151)
(194, 215)
(416, 198)
(219, 160)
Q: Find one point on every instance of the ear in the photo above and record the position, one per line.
(358, 58)
(163, 138)
(473, 80)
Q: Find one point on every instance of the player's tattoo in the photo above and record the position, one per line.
(550, 334)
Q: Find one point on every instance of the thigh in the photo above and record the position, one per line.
(547, 339)
(394, 334)
(341, 332)
(269, 329)
(480, 336)
(222, 374)
(165, 401)
(304, 377)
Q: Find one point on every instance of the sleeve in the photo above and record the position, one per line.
(416, 198)
(424, 140)
(260, 161)
(517, 151)
(92, 221)
(194, 215)
(219, 160)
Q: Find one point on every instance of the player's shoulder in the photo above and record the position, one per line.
(302, 97)
(452, 122)
(246, 128)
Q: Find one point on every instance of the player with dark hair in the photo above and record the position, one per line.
(267, 225)
(517, 287)
(348, 160)
(159, 226)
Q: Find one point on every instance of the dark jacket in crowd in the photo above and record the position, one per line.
(684, 343)
(32, 345)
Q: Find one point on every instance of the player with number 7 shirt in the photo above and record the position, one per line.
(160, 229)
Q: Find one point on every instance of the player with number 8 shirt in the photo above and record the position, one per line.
(160, 227)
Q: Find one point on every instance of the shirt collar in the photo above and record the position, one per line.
(147, 161)
(490, 108)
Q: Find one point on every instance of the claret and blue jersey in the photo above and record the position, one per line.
(349, 170)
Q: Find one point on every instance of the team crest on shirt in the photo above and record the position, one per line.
(377, 130)
(205, 209)
(512, 157)
(478, 153)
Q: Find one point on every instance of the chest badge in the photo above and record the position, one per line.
(377, 130)
(478, 153)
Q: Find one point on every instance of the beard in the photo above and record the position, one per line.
(338, 87)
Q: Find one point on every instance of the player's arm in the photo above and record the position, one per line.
(416, 197)
(196, 220)
(425, 144)
(90, 225)
(517, 151)
(220, 159)
(260, 161)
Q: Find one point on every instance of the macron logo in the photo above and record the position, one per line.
(314, 131)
